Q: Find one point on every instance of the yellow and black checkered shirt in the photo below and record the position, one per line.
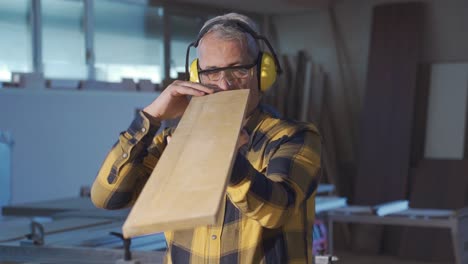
(269, 207)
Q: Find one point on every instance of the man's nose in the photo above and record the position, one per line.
(225, 82)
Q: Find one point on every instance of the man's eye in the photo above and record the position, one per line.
(214, 74)
(240, 72)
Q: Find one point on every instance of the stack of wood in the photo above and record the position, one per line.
(391, 159)
(301, 93)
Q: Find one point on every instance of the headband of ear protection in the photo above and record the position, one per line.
(268, 66)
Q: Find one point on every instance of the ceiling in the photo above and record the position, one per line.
(261, 6)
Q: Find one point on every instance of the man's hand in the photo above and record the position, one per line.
(173, 101)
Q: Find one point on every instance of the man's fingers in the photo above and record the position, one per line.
(183, 90)
(195, 86)
(199, 87)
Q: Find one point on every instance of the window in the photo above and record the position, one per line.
(63, 42)
(128, 41)
(184, 30)
(16, 44)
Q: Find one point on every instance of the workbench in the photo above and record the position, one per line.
(74, 231)
(454, 220)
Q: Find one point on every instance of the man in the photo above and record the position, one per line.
(268, 212)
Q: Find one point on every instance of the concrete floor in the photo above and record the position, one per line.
(346, 257)
(349, 258)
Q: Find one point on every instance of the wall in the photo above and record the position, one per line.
(445, 40)
(5, 168)
(61, 137)
(445, 135)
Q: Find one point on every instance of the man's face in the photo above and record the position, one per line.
(214, 53)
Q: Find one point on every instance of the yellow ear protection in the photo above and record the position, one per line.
(268, 66)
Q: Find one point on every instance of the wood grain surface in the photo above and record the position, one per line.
(187, 185)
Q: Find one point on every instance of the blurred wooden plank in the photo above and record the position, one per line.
(465, 153)
(187, 185)
(327, 129)
(296, 93)
(286, 78)
(306, 102)
(387, 115)
(389, 103)
(316, 95)
(418, 140)
(348, 84)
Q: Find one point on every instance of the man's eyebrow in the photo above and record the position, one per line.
(229, 65)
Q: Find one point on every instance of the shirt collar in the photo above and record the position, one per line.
(253, 120)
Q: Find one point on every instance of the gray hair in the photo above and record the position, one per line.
(227, 32)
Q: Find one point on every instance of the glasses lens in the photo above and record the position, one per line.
(213, 76)
(240, 73)
(237, 72)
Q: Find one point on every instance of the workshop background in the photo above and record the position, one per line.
(386, 81)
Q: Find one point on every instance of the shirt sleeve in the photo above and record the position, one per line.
(291, 178)
(129, 163)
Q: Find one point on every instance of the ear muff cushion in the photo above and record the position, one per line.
(267, 71)
(194, 71)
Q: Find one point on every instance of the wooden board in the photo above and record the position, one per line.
(465, 153)
(187, 185)
(307, 91)
(287, 85)
(295, 93)
(387, 115)
(316, 95)
(330, 158)
(418, 138)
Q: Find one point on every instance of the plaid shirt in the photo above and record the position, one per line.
(268, 209)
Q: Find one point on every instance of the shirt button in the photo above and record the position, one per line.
(143, 130)
(124, 155)
(213, 237)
